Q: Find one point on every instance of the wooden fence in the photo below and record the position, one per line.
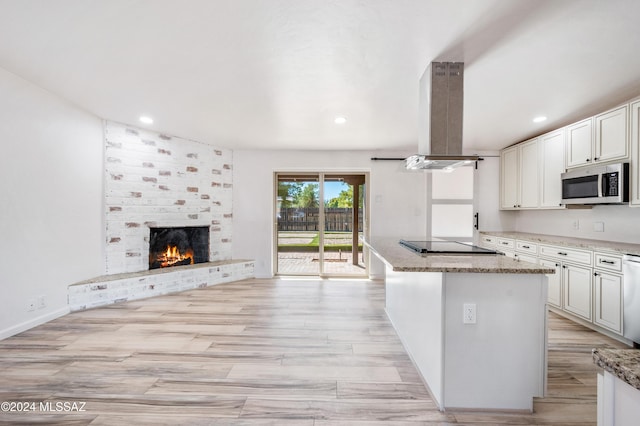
(306, 219)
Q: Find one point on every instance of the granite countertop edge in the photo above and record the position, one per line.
(574, 242)
(622, 363)
(399, 259)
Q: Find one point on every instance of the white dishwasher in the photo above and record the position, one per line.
(631, 315)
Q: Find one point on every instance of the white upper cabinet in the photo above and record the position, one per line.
(529, 174)
(579, 143)
(551, 148)
(604, 137)
(519, 176)
(635, 154)
(612, 135)
(509, 178)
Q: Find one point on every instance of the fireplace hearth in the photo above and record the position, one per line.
(176, 246)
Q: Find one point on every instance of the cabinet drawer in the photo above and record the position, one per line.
(582, 257)
(526, 258)
(506, 243)
(527, 247)
(610, 262)
(488, 241)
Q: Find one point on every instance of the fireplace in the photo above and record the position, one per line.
(178, 246)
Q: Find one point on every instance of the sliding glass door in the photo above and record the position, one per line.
(320, 219)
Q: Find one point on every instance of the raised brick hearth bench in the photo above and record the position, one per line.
(109, 289)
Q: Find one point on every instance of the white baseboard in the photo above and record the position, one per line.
(24, 326)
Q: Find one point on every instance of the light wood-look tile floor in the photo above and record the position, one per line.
(257, 352)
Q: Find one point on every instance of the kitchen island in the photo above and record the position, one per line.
(474, 325)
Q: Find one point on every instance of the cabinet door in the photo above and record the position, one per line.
(529, 174)
(555, 283)
(579, 143)
(612, 138)
(635, 153)
(509, 180)
(576, 283)
(552, 166)
(608, 300)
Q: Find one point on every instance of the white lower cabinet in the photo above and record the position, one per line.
(607, 289)
(586, 284)
(576, 282)
(555, 283)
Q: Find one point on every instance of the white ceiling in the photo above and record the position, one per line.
(275, 73)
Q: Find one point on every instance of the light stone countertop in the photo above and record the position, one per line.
(583, 243)
(622, 363)
(401, 259)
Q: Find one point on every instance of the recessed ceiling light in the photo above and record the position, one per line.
(340, 120)
(539, 119)
(146, 120)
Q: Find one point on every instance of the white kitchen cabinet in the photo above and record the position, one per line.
(506, 244)
(612, 135)
(635, 154)
(607, 288)
(519, 176)
(602, 138)
(488, 241)
(528, 174)
(579, 143)
(576, 284)
(551, 149)
(509, 178)
(564, 254)
(587, 284)
(555, 282)
(608, 291)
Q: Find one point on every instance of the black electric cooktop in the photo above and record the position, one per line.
(444, 247)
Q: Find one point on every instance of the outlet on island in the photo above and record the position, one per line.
(469, 313)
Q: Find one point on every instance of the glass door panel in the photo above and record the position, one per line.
(343, 224)
(297, 224)
(318, 229)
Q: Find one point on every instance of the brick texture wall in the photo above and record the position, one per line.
(157, 180)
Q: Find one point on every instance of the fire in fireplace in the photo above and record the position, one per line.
(178, 246)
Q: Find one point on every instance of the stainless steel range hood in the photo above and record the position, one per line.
(440, 126)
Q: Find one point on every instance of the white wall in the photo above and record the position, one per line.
(398, 199)
(487, 197)
(620, 223)
(50, 201)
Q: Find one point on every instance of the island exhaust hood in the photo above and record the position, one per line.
(440, 125)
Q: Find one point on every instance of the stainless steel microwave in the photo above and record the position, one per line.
(606, 184)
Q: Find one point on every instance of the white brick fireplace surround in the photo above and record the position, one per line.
(153, 180)
(156, 180)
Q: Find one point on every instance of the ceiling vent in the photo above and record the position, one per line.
(440, 111)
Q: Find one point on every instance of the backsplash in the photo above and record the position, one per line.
(619, 223)
(157, 180)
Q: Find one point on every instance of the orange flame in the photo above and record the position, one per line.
(172, 255)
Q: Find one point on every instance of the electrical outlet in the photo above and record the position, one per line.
(42, 302)
(469, 313)
(31, 305)
(576, 225)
